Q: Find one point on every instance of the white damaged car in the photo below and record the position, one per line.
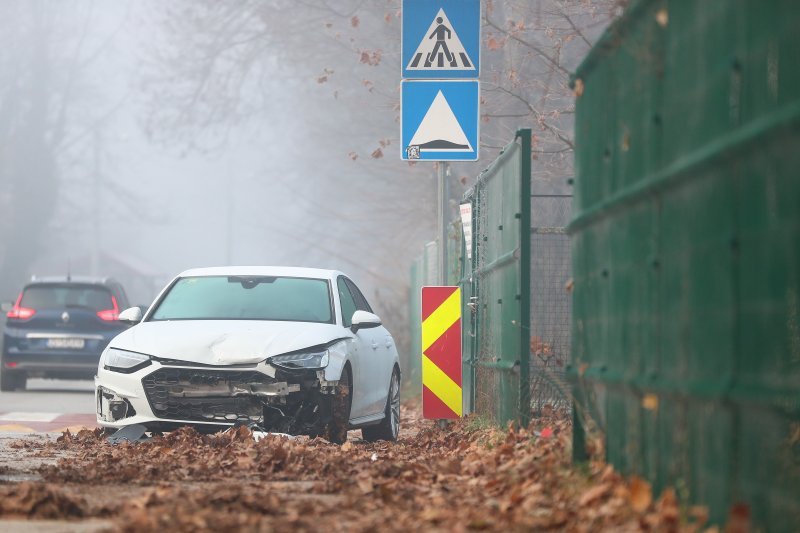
(292, 350)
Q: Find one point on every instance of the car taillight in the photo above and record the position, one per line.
(19, 312)
(109, 315)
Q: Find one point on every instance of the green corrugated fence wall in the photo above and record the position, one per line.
(686, 251)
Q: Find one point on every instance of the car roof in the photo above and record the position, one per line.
(92, 280)
(280, 271)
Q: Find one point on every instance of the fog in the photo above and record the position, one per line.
(142, 138)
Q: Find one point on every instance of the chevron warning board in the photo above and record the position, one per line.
(441, 352)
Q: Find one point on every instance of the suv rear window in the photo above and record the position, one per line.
(56, 296)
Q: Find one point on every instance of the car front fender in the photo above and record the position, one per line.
(338, 355)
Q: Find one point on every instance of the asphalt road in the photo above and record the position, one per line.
(51, 396)
(48, 406)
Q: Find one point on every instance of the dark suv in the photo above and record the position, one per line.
(58, 328)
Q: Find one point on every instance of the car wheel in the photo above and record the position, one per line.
(389, 427)
(10, 381)
(340, 409)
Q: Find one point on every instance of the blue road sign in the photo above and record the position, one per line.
(441, 39)
(439, 120)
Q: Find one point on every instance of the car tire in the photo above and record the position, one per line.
(389, 427)
(340, 409)
(11, 381)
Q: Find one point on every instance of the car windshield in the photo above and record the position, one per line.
(247, 298)
(56, 296)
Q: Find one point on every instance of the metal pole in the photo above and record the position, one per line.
(229, 222)
(94, 258)
(442, 221)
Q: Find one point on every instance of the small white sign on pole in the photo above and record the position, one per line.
(466, 225)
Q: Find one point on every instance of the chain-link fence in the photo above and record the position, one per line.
(551, 305)
(516, 305)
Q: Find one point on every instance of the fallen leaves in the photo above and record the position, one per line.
(35, 500)
(594, 493)
(471, 475)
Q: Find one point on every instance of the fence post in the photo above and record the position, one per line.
(525, 276)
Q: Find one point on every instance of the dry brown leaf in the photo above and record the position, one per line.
(365, 485)
(650, 402)
(594, 494)
(662, 17)
(699, 514)
(641, 494)
(578, 88)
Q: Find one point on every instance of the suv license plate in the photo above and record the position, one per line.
(72, 344)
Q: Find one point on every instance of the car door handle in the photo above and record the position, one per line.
(374, 345)
(388, 343)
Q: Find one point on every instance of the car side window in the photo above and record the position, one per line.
(123, 302)
(361, 302)
(346, 301)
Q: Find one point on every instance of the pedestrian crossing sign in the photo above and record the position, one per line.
(441, 39)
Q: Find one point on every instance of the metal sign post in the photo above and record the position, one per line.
(444, 194)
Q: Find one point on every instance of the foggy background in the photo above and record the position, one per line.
(141, 138)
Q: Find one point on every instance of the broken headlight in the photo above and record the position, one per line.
(124, 361)
(315, 359)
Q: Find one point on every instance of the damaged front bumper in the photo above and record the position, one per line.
(169, 394)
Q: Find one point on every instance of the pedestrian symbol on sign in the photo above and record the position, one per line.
(439, 33)
(440, 48)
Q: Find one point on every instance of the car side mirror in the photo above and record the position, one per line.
(364, 320)
(132, 315)
(5, 307)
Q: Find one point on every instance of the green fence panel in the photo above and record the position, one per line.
(686, 251)
(411, 363)
(497, 286)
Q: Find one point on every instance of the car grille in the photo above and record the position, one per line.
(161, 387)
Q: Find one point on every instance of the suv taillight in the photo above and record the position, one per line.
(109, 315)
(20, 313)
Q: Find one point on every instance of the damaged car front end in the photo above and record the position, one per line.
(298, 393)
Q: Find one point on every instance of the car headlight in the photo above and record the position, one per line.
(314, 359)
(125, 361)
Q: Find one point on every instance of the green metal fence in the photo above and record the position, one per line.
(686, 251)
(496, 287)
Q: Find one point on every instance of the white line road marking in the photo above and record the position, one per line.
(28, 417)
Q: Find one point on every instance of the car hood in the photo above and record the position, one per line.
(224, 342)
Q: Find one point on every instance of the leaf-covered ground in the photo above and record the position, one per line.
(468, 476)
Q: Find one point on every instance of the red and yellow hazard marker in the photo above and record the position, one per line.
(441, 352)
